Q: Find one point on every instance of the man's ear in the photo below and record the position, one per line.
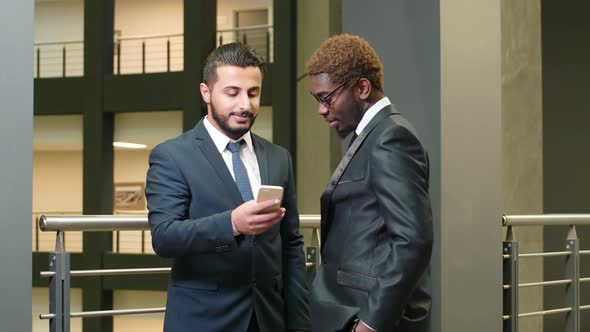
(205, 93)
(364, 88)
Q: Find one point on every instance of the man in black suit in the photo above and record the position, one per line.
(237, 266)
(376, 227)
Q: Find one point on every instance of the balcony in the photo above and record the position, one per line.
(142, 54)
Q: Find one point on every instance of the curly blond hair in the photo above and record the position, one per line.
(345, 57)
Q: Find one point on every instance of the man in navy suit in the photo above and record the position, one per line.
(376, 228)
(238, 265)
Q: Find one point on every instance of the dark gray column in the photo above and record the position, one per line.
(97, 155)
(284, 100)
(443, 72)
(566, 161)
(16, 132)
(199, 41)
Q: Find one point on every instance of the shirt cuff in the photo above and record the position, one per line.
(370, 328)
(236, 233)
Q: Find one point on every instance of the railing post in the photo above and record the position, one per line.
(267, 46)
(312, 254)
(510, 279)
(37, 234)
(220, 38)
(63, 61)
(244, 39)
(143, 242)
(168, 55)
(118, 241)
(59, 287)
(119, 58)
(143, 57)
(572, 271)
(38, 62)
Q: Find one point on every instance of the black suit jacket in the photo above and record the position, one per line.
(218, 280)
(376, 233)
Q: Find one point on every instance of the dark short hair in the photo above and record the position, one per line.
(232, 54)
(345, 57)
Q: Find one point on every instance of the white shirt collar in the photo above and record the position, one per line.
(370, 113)
(220, 140)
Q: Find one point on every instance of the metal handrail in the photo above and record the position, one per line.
(511, 257)
(124, 222)
(547, 283)
(111, 272)
(119, 272)
(60, 274)
(245, 28)
(546, 220)
(93, 223)
(143, 37)
(101, 313)
(309, 220)
(149, 37)
(547, 254)
(68, 42)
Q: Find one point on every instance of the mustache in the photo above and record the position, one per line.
(244, 113)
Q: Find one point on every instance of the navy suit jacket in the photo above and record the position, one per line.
(218, 280)
(376, 233)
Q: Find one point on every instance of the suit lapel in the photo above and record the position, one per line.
(326, 198)
(262, 157)
(205, 144)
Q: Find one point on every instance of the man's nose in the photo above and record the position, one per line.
(244, 102)
(322, 109)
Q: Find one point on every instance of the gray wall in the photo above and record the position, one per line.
(443, 71)
(566, 115)
(16, 112)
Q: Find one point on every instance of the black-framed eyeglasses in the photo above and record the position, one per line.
(325, 100)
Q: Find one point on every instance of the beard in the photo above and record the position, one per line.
(223, 122)
(355, 116)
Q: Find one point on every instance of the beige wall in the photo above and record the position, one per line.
(139, 299)
(318, 148)
(522, 140)
(131, 165)
(41, 306)
(57, 181)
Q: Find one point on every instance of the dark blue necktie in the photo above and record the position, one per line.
(240, 173)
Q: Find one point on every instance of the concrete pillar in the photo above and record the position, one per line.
(16, 142)
(318, 147)
(522, 141)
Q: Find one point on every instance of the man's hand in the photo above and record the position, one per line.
(361, 327)
(249, 218)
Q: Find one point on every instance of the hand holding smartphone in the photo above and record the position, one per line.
(266, 192)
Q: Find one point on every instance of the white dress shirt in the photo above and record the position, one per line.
(370, 113)
(247, 155)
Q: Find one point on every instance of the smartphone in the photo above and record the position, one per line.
(266, 192)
